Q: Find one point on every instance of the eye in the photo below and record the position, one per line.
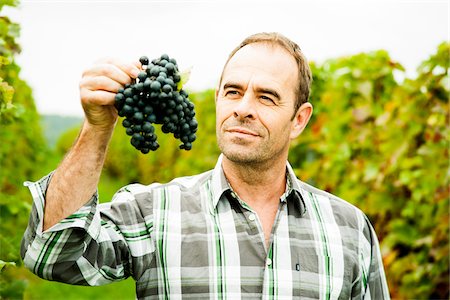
(231, 93)
(267, 100)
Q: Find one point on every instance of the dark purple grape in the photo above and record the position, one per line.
(142, 75)
(148, 127)
(126, 123)
(187, 146)
(129, 131)
(155, 86)
(128, 92)
(154, 71)
(170, 67)
(143, 60)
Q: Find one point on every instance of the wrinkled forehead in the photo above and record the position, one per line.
(264, 60)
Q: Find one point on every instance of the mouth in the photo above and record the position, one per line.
(241, 131)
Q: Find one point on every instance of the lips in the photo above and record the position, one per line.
(241, 130)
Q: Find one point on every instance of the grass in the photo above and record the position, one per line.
(42, 289)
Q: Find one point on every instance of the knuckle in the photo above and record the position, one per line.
(83, 82)
(96, 82)
(86, 72)
(106, 69)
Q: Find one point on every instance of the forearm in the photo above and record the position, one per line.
(76, 179)
(79, 250)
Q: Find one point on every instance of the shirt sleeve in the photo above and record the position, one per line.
(375, 282)
(93, 246)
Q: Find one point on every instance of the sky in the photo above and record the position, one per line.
(60, 39)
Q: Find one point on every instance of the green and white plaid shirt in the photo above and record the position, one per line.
(194, 238)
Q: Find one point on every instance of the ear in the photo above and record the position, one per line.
(301, 119)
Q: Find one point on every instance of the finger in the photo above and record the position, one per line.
(137, 64)
(108, 70)
(131, 69)
(97, 97)
(104, 83)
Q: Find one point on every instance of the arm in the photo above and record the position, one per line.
(70, 238)
(75, 180)
(377, 287)
(371, 279)
(94, 245)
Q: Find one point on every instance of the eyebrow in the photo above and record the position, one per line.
(238, 86)
(268, 91)
(232, 85)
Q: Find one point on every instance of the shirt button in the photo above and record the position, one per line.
(268, 262)
(252, 217)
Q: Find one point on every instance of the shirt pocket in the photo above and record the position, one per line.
(314, 276)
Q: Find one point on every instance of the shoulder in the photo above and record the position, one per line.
(341, 211)
(141, 192)
(137, 201)
(190, 183)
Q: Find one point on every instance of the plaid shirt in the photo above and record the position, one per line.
(194, 238)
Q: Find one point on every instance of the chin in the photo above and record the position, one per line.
(242, 155)
(240, 158)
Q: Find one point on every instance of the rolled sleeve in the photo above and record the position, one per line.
(82, 218)
(81, 249)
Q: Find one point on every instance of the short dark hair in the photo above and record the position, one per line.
(304, 72)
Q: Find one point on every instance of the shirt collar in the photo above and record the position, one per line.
(219, 184)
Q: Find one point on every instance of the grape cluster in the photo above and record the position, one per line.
(155, 98)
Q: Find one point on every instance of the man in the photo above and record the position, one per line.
(247, 229)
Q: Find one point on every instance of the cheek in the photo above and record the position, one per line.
(223, 112)
(268, 115)
(276, 124)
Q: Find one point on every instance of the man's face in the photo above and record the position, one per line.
(255, 104)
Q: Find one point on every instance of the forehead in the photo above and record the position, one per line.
(263, 62)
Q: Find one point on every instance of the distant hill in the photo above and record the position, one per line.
(55, 125)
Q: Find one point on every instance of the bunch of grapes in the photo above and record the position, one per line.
(155, 98)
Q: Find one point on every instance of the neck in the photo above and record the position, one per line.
(258, 185)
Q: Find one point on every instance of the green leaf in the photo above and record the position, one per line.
(4, 264)
(184, 78)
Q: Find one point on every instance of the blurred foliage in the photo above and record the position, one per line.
(21, 152)
(9, 32)
(377, 139)
(383, 145)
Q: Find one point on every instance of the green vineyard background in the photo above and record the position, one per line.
(377, 138)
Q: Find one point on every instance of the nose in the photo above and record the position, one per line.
(245, 107)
